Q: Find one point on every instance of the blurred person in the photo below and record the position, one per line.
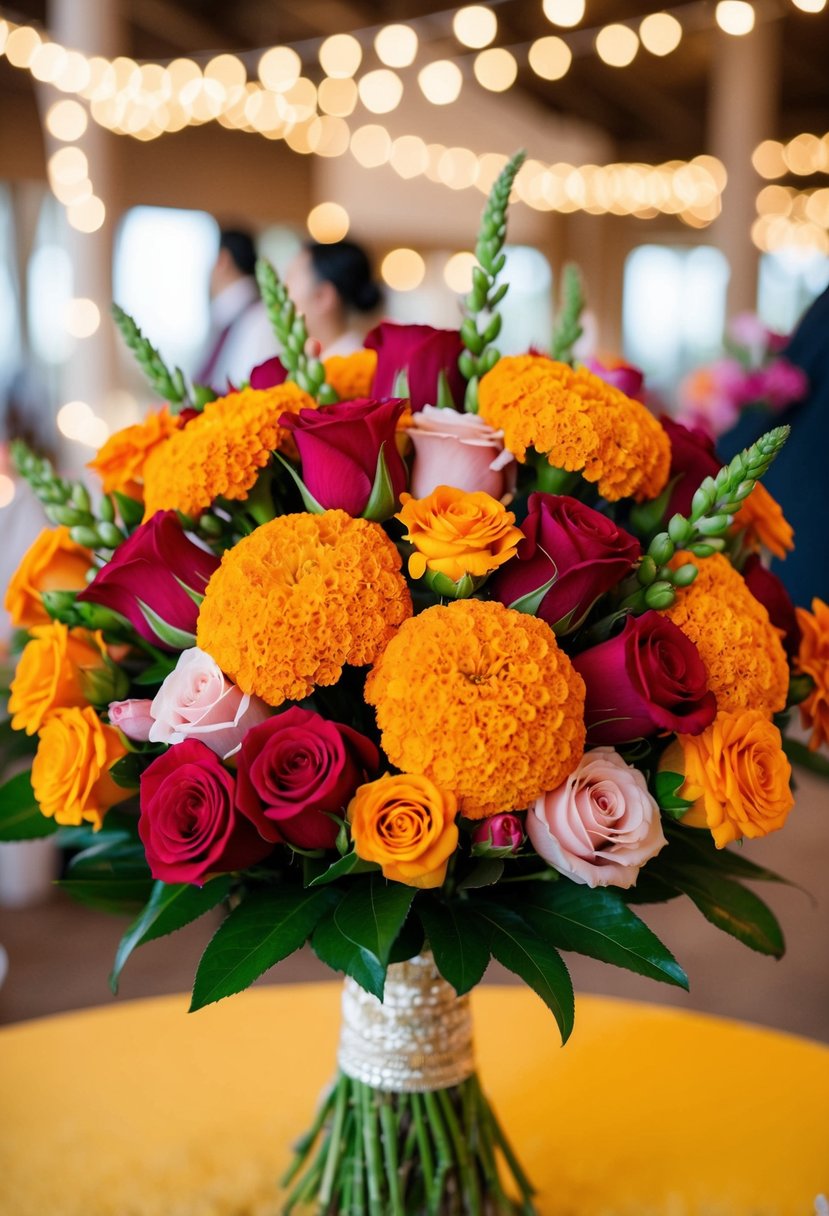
(240, 332)
(333, 286)
(798, 478)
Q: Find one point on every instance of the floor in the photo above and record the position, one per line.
(60, 953)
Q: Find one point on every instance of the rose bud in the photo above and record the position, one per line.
(197, 701)
(151, 580)
(648, 679)
(460, 450)
(133, 718)
(425, 355)
(296, 771)
(579, 552)
(498, 836)
(770, 591)
(341, 447)
(189, 824)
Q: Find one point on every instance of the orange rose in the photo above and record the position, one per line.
(54, 672)
(120, 462)
(70, 774)
(350, 376)
(762, 522)
(456, 533)
(53, 563)
(736, 774)
(813, 660)
(406, 824)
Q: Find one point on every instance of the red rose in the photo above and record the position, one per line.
(422, 353)
(582, 550)
(339, 446)
(769, 590)
(647, 679)
(189, 825)
(269, 374)
(297, 769)
(149, 579)
(693, 458)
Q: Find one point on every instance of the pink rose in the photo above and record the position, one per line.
(197, 701)
(459, 450)
(628, 379)
(133, 718)
(601, 825)
(501, 835)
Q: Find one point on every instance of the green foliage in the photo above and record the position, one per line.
(267, 926)
(728, 905)
(171, 906)
(568, 328)
(665, 789)
(169, 386)
(800, 754)
(456, 940)
(349, 864)
(20, 816)
(112, 876)
(358, 935)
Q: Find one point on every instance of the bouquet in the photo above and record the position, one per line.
(752, 374)
(425, 656)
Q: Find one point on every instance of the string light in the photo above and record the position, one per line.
(328, 222)
(457, 273)
(88, 215)
(371, 146)
(66, 120)
(403, 269)
(564, 12)
(279, 68)
(475, 26)
(83, 317)
(735, 17)
(440, 82)
(7, 490)
(396, 46)
(616, 45)
(77, 420)
(550, 57)
(340, 55)
(495, 69)
(660, 33)
(803, 155)
(338, 97)
(810, 6)
(380, 90)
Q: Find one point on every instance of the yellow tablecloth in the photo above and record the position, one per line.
(136, 1109)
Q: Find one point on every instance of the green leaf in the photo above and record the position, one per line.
(691, 845)
(130, 509)
(665, 787)
(531, 602)
(484, 873)
(597, 923)
(519, 948)
(169, 634)
(171, 906)
(800, 754)
(112, 875)
(310, 503)
(382, 500)
(445, 400)
(349, 864)
(456, 939)
(731, 907)
(265, 928)
(127, 771)
(157, 672)
(20, 816)
(14, 744)
(358, 936)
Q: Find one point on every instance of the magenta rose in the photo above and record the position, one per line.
(647, 679)
(422, 353)
(501, 835)
(628, 379)
(693, 458)
(269, 374)
(151, 579)
(581, 550)
(189, 824)
(296, 770)
(769, 590)
(339, 446)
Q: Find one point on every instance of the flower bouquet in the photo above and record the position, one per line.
(426, 657)
(752, 374)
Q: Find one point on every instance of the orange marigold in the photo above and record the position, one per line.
(762, 522)
(479, 699)
(300, 597)
(581, 423)
(220, 453)
(351, 376)
(740, 648)
(813, 660)
(120, 462)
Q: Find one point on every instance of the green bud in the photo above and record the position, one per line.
(701, 550)
(488, 360)
(661, 548)
(85, 536)
(80, 497)
(448, 589)
(470, 337)
(106, 511)
(209, 525)
(647, 571)
(659, 595)
(685, 575)
(713, 525)
(327, 395)
(111, 536)
(703, 499)
(680, 530)
(104, 684)
(493, 329)
(70, 517)
(467, 364)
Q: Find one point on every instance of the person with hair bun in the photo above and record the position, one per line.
(332, 286)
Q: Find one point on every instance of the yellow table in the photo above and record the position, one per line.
(136, 1109)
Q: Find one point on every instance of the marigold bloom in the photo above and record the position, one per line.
(813, 660)
(52, 674)
(762, 522)
(53, 562)
(120, 462)
(740, 648)
(736, 774)
(351, 376)
(480, 699)
(70, 773)
(456, 533)
(220, 453)
(300, 597)
(581, 423)
(406, 824)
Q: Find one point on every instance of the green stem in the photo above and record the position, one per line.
(427, 1160)
(468, 1174)
(443, 1146)
(389, 1128)
(371, 1142)
(334, 1141)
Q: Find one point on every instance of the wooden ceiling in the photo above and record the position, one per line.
(653, 110)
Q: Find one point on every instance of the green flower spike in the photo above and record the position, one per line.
(292, 334)
(169, 386)
(482, 322)
(68, 502)
(568, 328)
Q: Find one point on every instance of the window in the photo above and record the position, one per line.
(789, 281)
